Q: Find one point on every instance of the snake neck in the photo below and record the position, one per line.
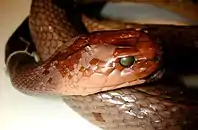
(52, 23)
(39, 76)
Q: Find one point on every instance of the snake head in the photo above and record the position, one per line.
(107, 60)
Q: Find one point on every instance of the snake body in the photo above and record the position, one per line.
(87, 65)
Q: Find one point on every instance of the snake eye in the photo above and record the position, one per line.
(127, 61)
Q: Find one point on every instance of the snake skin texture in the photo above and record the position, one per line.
(144, 107)
(131, 109)
(46, 28)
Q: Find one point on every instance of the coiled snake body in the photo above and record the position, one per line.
(92, 65)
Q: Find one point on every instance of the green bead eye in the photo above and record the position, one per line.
(127, 61)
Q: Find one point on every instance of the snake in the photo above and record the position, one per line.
(106, 75)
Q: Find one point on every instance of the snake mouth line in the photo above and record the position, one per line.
(156, 75)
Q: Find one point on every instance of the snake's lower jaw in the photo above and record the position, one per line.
(133, 83)
(118, 86)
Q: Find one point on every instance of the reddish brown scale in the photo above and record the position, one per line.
(136, 68)
(103, 64)
(82, 69)
(125, 42)
(103, 68)
(69, 76)
(113, 37)
(87, 72)
(46, 71)
(126, 51)
(143, 38)
(79, 43)
(104, 71)
(94, 61)
(98, 117)
(65, 64)
(77, 56)
(147, 49)
(70, 66)
(64, 72)
(62, 58)
(50, 80)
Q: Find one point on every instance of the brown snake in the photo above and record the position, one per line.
(75, 62)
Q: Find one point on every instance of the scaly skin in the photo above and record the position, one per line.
(144, 107)
(141, 108)
(80, 64)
